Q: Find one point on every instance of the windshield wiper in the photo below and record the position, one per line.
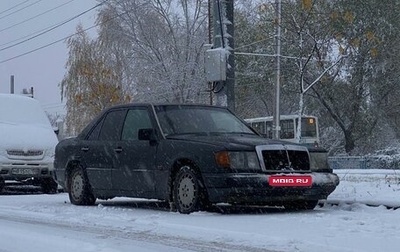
(240, 133)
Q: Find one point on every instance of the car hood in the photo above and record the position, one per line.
(20, 136)
(231, 141)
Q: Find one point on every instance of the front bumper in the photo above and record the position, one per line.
(20, 171)
(255, 189)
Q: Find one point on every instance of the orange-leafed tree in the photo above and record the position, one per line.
(92, 81)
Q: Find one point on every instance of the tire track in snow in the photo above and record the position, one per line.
(143, 236)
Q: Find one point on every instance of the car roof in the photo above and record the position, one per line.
(142, 104)
(162, 105)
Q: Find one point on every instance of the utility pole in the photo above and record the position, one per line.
(276, 125)
(210, 41)
(223, 34)
(230, 78)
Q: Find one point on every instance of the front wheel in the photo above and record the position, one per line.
(188, 194)
(79, 190)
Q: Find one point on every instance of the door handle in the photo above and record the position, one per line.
(84, 149)
(118, 149)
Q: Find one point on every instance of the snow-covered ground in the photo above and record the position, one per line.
(33, 222)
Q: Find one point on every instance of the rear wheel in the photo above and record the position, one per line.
(188, 194)
(79, 190)
(301, 205)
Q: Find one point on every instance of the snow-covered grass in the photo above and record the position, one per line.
(142, 226)
(369, 186)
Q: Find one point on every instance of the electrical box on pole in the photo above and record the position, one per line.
(223, 39)
(215, 64)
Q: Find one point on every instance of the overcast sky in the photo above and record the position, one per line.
(43, 69)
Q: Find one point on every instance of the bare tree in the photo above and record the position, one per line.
(353, 96)
(163, 46)
(255, 68)
(355, 100)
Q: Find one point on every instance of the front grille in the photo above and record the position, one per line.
(284, 158)
(299, 160)
(22, 153)
(23, 165)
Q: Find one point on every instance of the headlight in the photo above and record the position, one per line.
(238, 160)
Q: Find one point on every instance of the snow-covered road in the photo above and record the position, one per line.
(38, 222)
(19, 234)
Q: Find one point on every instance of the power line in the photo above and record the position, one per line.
(9, 14)
(52, 28)
(38, 15)
(59, 40)
(31, 34)
(42, 47)
(15, 6)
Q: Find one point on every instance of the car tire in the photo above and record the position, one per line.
(49, 186)
(79, 190)
(188, 193)
(301, 205)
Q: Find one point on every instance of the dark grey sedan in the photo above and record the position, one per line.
(192, 156)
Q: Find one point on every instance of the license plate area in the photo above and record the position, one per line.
(24, 171)
(290, 181)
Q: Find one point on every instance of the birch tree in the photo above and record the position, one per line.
(90, 84)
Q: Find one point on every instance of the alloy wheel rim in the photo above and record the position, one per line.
(186, 191)
(77, 186)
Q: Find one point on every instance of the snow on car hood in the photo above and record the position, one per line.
(26, 136)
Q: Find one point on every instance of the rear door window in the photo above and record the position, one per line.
(112, 126)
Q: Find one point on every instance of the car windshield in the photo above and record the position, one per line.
(199, 120)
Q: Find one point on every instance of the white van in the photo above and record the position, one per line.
(27, 143)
